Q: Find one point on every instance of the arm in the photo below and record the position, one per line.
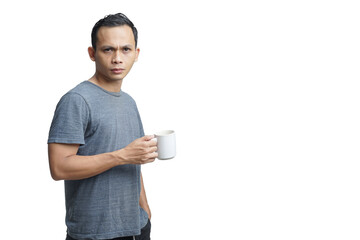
(143, 200)
(66, 165)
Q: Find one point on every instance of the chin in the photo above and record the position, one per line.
(116, 78)
(119, 78)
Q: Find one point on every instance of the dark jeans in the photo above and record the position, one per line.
(145, 234)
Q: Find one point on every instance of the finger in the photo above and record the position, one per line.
(151, 155)
(149, 149)
(150, 160)
(148, 137)
(153, 149)
(152, 143)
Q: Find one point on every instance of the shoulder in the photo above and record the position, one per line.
(83, 89)
(75, 98)
(72, 98)
(128, 98)
(129, 101)
(80, 93)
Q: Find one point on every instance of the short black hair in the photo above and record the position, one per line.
(112, 20)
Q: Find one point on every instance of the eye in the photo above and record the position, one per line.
(126, 49)
(107, 50)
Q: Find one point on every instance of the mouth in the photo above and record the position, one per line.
(117, 70)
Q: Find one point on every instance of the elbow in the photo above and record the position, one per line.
(56, 172)
(56, 175)
(58, 160)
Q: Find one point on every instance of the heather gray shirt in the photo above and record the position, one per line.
(107, 205)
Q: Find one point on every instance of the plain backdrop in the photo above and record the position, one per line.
(263, 95)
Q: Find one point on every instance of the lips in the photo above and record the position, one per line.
(117, 70)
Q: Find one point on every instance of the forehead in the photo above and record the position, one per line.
(119, 35)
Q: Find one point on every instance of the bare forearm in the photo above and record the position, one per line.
(79, 167)
(65, 164)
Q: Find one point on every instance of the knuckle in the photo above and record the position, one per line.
(143, 149)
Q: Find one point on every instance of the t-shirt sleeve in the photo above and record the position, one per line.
(142, 133)
(141, 127)
(70, 120)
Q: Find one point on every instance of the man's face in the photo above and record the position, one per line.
(115, 52)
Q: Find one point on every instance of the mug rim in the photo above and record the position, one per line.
(165, 133)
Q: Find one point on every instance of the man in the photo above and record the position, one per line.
(97, 144)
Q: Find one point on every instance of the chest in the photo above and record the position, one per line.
(117, 123)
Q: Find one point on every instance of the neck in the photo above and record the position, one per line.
(111, 86)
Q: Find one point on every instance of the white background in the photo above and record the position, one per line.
(264, 97)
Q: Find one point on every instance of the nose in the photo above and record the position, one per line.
(117, 58)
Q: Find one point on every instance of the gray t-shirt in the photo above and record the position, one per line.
(107, 205)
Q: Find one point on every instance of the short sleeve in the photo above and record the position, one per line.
(141, 127)
(70, 120)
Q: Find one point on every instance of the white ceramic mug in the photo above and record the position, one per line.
(166, 144)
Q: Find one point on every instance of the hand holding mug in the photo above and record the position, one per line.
(140, 151)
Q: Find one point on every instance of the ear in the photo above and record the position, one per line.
(91, 52)
(137, 51)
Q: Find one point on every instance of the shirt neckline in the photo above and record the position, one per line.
(116, 94)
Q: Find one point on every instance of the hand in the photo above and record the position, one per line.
(141, 151)
(149, 213)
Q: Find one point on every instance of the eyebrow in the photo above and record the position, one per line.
(112, 47)
(106, 47)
